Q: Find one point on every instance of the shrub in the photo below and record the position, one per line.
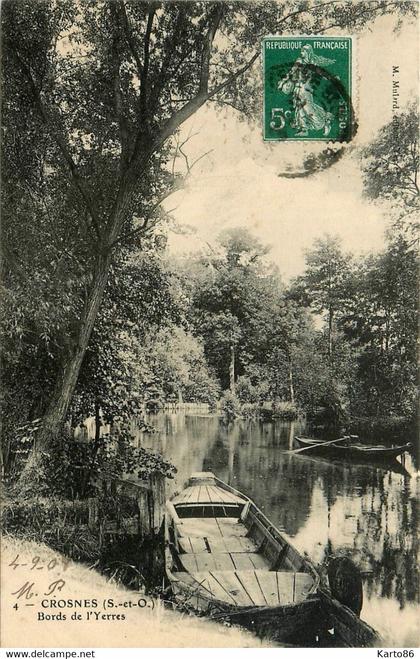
(286, 410)
(386, 428)
(230, 406)
(245, 390)
(60, 524)
(249, 410)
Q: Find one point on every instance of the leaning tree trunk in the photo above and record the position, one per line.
(67, 379)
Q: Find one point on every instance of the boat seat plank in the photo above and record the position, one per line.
(248, 579)
(233, 586)
(192, 494)
(246, 544)
(204, 496)
(229, 526)
(223, 562)
(199, 527)
(259, 561)
(224, 496)
(185, 545)
(198, 545)
(215, 494)
(213, 584)
(246, 587)
(242, 561)
(184, 496)
(217, 545)
(233, 544)
(228, 497)
(268, 585)
(205, 562)
(197, 582)
(304, 583)
(189, 562)
(286, 585)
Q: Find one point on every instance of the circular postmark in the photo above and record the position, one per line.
(308, 102)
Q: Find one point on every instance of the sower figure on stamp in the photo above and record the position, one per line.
(308, 114)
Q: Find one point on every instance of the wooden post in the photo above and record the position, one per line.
(93, 514)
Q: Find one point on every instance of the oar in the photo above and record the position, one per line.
(307, 448)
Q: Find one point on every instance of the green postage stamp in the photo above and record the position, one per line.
(307, 88)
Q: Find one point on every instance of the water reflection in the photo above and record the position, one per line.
(366, 511)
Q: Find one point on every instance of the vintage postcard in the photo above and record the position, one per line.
(209, 255)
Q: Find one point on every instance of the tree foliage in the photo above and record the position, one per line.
(174, 360)
(391, 161)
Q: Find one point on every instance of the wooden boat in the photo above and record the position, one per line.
(225, 559)
(352, 449)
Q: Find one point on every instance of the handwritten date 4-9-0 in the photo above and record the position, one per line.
(38, 564)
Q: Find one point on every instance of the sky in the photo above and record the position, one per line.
(238, 183)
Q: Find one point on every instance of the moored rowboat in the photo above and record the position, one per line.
(224, 558)
(350, 448)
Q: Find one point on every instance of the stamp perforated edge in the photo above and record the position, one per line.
(354, 87)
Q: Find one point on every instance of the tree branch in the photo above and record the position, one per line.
(59, 140)
(129, 37)
(201, 96)
(187, 110)
(176, 186)
(146, 59)
(7, 257)
(207, 48)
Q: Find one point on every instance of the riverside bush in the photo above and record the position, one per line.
(286, 410)
(230, 406)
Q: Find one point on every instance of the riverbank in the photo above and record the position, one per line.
(42, 582)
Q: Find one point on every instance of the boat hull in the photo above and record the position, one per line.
(282, 624)
(224, 559)
(368, 453)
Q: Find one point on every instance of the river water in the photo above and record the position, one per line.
(365, 511)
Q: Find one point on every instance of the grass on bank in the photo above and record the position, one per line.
(142, 627)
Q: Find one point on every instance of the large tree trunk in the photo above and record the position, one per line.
(66, 382)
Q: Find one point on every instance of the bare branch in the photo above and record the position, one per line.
(177, 185)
